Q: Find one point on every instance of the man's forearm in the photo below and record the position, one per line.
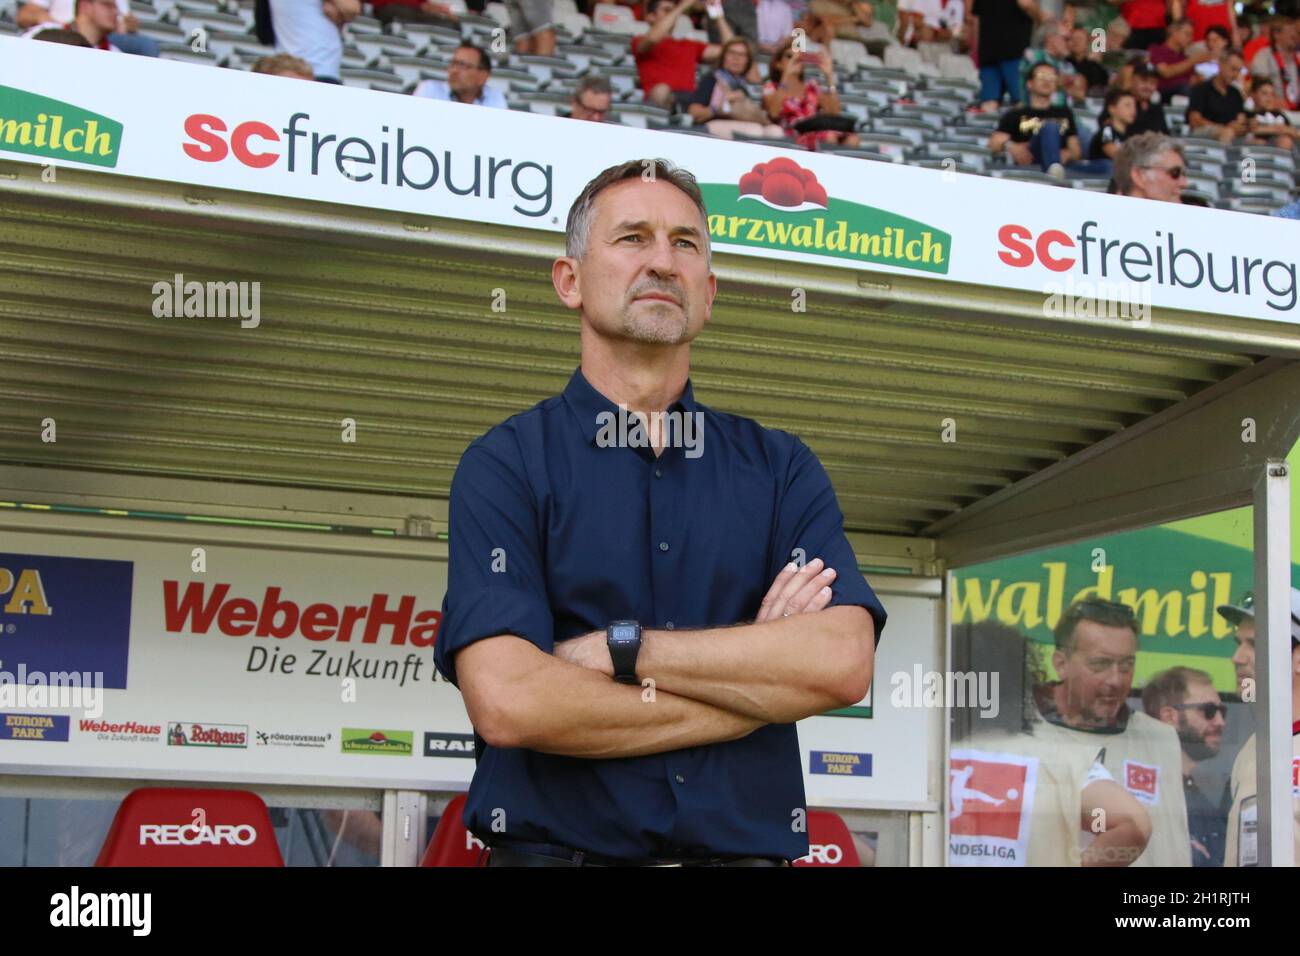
(776, 672)
(520, 696)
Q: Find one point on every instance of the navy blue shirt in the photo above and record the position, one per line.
(589, 534)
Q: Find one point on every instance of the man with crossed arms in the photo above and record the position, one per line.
(632, 628)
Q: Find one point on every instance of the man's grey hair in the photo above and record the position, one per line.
(1138, 152)
(583, 211)
(592, 83)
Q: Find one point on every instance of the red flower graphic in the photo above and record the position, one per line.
(783, 182)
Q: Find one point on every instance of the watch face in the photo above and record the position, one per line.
(624, 632)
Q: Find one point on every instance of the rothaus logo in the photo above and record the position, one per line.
(388, 158)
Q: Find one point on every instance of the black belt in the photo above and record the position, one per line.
(546, 854)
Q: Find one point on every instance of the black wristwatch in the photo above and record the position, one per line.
(623, 638)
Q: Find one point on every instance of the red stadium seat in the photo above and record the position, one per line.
(164, 826)
(452, 844)
(829, 841)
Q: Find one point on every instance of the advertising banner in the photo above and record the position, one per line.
(267, 135)
(127, 658)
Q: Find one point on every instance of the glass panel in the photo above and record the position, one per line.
(1097, 699)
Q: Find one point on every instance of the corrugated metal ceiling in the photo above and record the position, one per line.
(388, 319)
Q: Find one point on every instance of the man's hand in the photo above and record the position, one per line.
(1021, 153)
(797, 590)
(127, 23)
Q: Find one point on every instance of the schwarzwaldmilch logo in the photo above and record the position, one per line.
(780, 205)
(358, 740)
(41, 126)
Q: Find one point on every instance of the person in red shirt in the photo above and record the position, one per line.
(1261, 39)
(1204, 14)
(666, 64)
(1147, 18)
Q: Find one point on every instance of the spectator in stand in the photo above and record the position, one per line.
(1147, 19)
(532, 26)
(1269, 126)
(1117, 116)
(416, 11)
(60, 35)
(1217, 107)
(833, 18)
(309, 30)
(591, 100)
(1204, 14)
(930, 21)
(1117, 54)
(1280, 62)
(804, 110)
(123, 37)
(1151, 112)
(1086, 63)
(775, 23)
(1000, 31)
(723, 103)
(1151, 166)
(665, 64)
(282, 64)
(1054, 50)
(1041, 134)
(741, 16)
(1216, 41)
(1261, 39)
(1173, 61)
(467, 80)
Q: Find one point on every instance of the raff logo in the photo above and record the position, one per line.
(781, 205)
(41, 126)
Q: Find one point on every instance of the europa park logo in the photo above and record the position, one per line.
(41, 126)
(781, 205)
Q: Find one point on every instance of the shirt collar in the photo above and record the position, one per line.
(587, 404)
(1046, 700)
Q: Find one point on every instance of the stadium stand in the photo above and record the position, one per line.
(909, 105)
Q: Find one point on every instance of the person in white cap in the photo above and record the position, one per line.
(1243, 844)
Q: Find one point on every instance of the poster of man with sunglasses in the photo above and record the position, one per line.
(1185, 699)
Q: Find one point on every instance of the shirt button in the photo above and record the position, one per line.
(659, 472)
(679, 778)
(663, 545)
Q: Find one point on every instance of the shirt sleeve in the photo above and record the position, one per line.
(811, 525)
(495, 578)
(1008, 123)
(704, 92)
(1071, 128)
